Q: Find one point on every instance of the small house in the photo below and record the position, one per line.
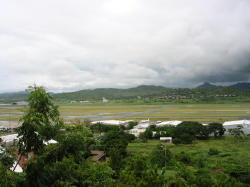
(98, 156)
(166, 139)
(136, 132)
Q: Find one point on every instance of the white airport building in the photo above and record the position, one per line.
(9, 140)
(140, 128)
(112, 122)
(234, 124)
(171, 123)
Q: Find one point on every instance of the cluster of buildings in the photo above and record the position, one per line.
(144, 124)
(104, 100)
(191, 96)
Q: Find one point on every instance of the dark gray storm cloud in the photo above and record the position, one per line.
(237, 71)
(70, 45)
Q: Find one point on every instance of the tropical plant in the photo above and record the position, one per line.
(40, 123)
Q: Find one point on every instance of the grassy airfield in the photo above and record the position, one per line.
(183, 112)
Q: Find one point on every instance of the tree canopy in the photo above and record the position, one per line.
(40, 122)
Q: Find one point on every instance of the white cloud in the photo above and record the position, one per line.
(70, 45)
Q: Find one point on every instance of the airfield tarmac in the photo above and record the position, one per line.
(183, 112)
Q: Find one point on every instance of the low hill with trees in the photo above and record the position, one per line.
(148, 92)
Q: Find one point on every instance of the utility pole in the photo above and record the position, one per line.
(165, 154)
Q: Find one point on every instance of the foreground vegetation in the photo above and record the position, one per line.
(223, 155)
(195, 160)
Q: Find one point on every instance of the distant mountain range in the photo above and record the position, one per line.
(242, 85)
(142, 92)
(13, 96)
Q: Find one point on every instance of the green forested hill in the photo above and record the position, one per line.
(12, 97)
(112, 93)
(142, 92)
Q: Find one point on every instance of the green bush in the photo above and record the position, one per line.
(216, 129)
(225, 154)
(201, 163)
(184, 158)
(213, 151)
(160, 156)
(188, 131)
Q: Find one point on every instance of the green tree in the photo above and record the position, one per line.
(148, 134)
(166, 131)
(41, 121)
(9, 178)
(6, 159)
(60, 173)
(61, 164)
(99, 175)
(216, 129)
(99, 127)
(131, 125)
(226, 181)
(115, 140)
(115, 144)
(188, 131)
(139, 173)
(116, 160)
(160, 156)
(238, 133)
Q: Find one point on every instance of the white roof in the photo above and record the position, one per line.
(144, 121)
(239, 122)
(1, 150)
(18, 168)
(165, 138)
(127, 121)
(50, 142)
(9, 138)
(110, 122)
(137, 130)
(164, 123)
(143, 124)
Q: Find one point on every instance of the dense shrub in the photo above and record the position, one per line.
(161, 156)
(216, 129)
(184, 158)
(184, 138)
(115, 140)
(165, 131)
(138, 172)
(131, 125)
(213, 151)
(237, 132)
(148, 134)
(99, 127)
(188, 131)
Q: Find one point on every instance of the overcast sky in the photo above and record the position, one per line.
(67, 45)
